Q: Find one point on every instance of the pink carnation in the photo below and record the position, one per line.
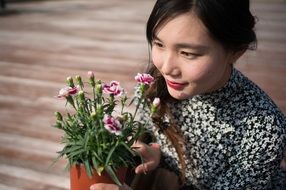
(144, 78)
(113, 88)
(67, 91)
(112, 125)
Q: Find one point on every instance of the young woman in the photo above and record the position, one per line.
(215, 128)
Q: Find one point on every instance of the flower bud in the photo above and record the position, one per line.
(91, 78)
(155, 105)
(90, 74)
(81, 96)
(79, 81)
(70, 82)
(124, 117)
(81, 110)
(98, 89)
(99, 110)
(93, 115)
(58, 125)
(58, 116)
(156, 102)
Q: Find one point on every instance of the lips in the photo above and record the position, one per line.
(175, 85)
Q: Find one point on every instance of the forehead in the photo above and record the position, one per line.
(184, 28)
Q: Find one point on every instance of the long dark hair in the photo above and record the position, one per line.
(229, 22)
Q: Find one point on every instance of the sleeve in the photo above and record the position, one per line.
(256, 156)
(164, 162)
(149, 136)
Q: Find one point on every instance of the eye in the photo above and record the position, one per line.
(158, 44)
(189, 55)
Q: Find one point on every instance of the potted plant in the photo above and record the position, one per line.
(99, 131)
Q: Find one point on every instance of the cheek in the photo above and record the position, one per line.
(156, 58)
(209, 70)
(198, 70)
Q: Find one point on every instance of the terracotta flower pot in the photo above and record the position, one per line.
(79, 180)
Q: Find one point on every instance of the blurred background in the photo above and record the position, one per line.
(44, 41)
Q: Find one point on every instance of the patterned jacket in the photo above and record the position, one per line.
(235, 138)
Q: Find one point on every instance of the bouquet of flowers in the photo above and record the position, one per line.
(98, 131)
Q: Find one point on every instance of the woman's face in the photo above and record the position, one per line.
(189, 59)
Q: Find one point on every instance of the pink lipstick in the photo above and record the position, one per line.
(175, 85)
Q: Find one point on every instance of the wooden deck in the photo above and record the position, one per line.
(43, 42)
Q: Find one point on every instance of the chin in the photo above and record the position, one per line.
(179, 95)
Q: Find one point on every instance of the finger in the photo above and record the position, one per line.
(140, 147)
(155, 145)
(145, 167)
(93, 187)
(102, 186)
(143, 148)
(141, 169)
(138, 144)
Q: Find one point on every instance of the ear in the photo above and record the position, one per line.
(236, 55)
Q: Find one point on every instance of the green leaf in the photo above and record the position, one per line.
(128, 148)
(112, 174)
(97, 157)
(87, 136)
(88, 168)
(74, 153)
(110, 154)
(94, 162)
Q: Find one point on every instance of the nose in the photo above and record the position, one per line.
(170, 65)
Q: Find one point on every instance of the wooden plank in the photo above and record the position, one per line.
(43, 42)
(29, 179)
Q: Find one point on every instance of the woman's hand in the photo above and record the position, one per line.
(103, 186)
(151, 156)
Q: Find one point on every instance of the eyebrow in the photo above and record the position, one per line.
(186, 45)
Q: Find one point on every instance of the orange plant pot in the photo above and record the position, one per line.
(79, 180)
